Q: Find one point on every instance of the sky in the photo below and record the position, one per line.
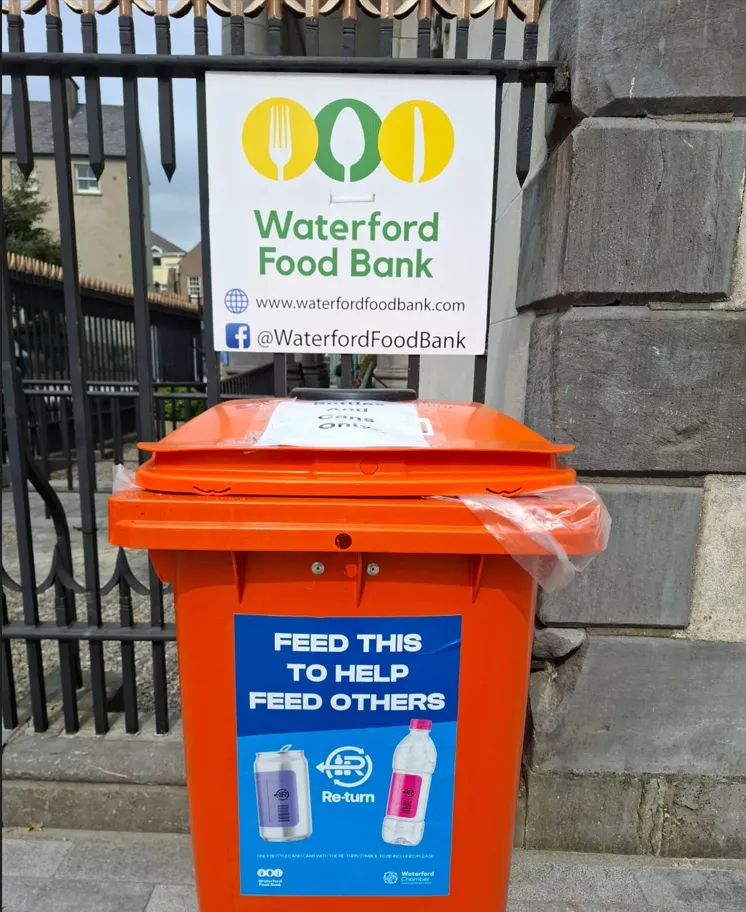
(174, 206)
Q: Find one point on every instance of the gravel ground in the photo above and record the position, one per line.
(43, 533)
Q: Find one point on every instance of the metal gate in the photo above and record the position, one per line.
(123, 613)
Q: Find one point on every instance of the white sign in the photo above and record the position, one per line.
(344, 423)
(350, 214)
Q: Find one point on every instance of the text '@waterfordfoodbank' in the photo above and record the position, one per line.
(336, 341)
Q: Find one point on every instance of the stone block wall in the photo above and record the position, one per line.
(632, 271)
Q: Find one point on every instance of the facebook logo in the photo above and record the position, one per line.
(237, 335)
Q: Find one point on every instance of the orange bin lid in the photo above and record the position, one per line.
(473, 449)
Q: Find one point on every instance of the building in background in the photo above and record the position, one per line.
(167, 259)
(100, 204)
(190, 274)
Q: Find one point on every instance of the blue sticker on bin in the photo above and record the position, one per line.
(346, 754)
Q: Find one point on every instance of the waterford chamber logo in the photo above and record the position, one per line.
(348, 767)
(390, 877)
(348, 140)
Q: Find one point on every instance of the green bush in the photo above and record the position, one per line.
(363, 364)
(175, 409)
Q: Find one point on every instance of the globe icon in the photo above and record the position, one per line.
(236, 301)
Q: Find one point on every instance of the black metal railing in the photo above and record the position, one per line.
(177, 369)
(94, 416)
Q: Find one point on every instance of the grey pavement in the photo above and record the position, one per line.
(79, 871)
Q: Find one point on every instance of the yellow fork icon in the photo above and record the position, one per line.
(280, 138)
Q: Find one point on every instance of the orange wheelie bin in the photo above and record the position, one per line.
(354, 641)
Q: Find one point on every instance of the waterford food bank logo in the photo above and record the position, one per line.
(347, 140)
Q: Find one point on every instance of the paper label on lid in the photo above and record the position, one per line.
(345, 423)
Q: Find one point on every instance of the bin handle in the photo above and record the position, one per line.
(377, 395)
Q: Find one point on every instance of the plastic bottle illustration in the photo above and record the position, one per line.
(283, 795)
(414, 762)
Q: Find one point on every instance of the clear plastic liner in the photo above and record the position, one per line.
(569, 525)
(123, 480)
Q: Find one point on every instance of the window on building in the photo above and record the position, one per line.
(85, 180)
(195, 287)
(157, 254)
(18, 180)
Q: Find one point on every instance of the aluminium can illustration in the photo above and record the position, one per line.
(283, 795)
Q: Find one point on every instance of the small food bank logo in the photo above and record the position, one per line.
(270, 877)
(348, 140)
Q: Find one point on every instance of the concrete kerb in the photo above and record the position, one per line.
(96, 806)
(670, 816)
(85, 781)
(143, 759)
